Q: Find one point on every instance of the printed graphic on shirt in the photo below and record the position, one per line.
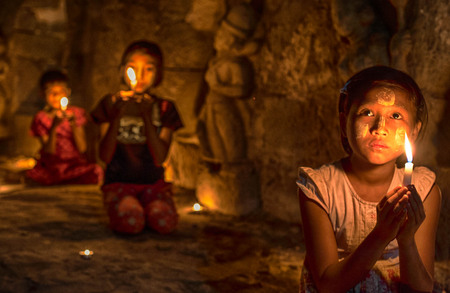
(131, 130)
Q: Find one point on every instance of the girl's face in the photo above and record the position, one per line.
(377, 123)
(54, 92)
(144, 67)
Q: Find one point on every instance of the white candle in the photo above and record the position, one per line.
(132, 77)
(408, 165)
(64, 102)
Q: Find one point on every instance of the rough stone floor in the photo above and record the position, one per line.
(43, 229)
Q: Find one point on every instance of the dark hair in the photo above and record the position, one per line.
(148, 48)
(363, 81)
(52, 76)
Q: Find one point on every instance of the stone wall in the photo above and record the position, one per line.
(308, 49)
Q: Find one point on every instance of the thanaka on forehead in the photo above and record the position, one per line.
(387, 96)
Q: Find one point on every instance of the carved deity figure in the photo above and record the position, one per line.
(229, 77)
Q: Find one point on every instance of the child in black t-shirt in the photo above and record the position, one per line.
(136, 131)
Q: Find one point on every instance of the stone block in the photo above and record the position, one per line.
(279, 191)
(181, 167)
(234, 190)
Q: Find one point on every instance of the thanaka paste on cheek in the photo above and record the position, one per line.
(386, 97)
(400, 139)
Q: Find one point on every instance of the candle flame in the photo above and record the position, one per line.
(87, 252)
(64, 102)
(132, 76)
(197, 207)
(408, 149)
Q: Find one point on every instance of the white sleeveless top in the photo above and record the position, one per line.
(353, 219)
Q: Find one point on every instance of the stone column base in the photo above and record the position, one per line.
(234, 190)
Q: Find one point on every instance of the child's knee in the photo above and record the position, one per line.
(161, 216)
(127, 215)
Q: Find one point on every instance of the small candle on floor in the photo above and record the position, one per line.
(86, 254)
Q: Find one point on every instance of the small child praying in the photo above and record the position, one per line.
(60, 130)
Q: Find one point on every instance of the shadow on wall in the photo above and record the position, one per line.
(442, 141)
(443, 135)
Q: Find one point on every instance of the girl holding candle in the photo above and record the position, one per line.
(136, 130)
(62, 136)
(364, 230)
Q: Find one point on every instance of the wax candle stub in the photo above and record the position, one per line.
(408, 174)
(408, 165)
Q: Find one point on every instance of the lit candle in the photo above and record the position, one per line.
(64, 102)
(132, 77)
(86, 254)
(197, 207)
(409, 164)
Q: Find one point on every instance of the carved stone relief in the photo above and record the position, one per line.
(221, 130)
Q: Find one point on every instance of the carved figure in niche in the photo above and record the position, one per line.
(4, 68)
(229, 76)
(368, 38)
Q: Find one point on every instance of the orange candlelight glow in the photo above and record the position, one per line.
(197, 207)
(132, 76)
(86, 253)
(64, 102)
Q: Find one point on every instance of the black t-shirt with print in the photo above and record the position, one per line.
(132, 161)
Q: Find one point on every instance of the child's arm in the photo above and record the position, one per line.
(158, 145)
(48, 142)
(330, 274)
(79, 135)
(416, 249)
(108, 142)
(108, 132)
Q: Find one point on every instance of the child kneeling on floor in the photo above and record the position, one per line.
(136, 130)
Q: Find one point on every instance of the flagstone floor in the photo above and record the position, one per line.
(43, 230)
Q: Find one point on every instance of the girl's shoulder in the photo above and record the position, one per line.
(318, 183)
(100, 112)
(169, 116)
(43, 115)
(322, 173)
